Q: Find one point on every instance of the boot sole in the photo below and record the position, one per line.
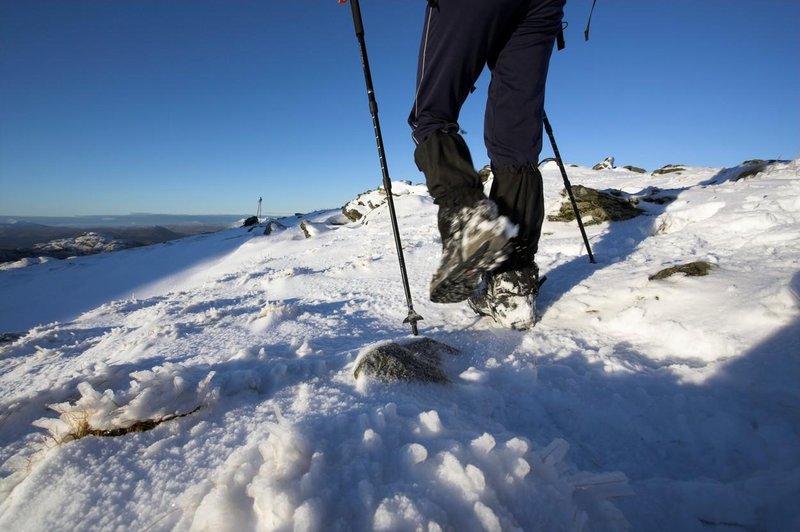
(462, 281)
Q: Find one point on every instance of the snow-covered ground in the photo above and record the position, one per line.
(634, 403)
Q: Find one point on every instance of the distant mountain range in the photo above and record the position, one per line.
(59, 237)
(126, 220)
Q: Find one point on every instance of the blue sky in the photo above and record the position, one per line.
(199, 106)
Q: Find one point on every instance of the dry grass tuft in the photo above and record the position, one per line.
(82, 428)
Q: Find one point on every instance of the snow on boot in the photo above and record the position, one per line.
(474, 242)
(509, 298)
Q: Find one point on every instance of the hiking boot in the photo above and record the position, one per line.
(473, 241)
(509, 298)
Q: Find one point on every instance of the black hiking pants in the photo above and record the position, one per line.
(514, 38)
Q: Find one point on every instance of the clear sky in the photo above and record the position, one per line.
(201, 106)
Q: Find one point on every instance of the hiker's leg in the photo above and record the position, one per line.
(513, 123)
(456, 42)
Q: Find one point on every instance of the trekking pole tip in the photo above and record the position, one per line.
(412, 319)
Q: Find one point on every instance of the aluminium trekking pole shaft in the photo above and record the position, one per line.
(413, 317)
(568, 186)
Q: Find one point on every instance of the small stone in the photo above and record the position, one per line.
(419, 359)
(668, 169)
(304, 228)
(691, 269)
(271, 226)
(485, 173)
(635, 169)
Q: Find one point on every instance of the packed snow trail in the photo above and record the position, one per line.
(650, 405)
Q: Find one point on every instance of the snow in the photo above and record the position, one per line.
(633, 404)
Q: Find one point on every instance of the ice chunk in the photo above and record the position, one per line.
(483, 444)
(416, 453)
(487, 517)
(430, 422)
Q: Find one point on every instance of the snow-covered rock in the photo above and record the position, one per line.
(607, 164)
(358, 208)
(88, 243)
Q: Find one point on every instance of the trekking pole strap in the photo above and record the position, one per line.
(589, 22)
(560, 42)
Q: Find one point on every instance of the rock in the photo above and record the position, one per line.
(7, 338)
(352, 214)
(338, 219)
(415, 360)
(656, 195)
(747, 169)
(750, 168)
(597, 206)
(691, 269)
(366, 202)
(635, 169)
(305, 227)
(271, 226)
(311, 229)
(485, 173)
(668, 169)
(253, 220)
(607, 164)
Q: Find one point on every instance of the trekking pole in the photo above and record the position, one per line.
(412, 317)
(568, 186)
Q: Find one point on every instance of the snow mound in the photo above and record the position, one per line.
(23, 263)
(165, 392)
(390, 470)
(364, 203)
